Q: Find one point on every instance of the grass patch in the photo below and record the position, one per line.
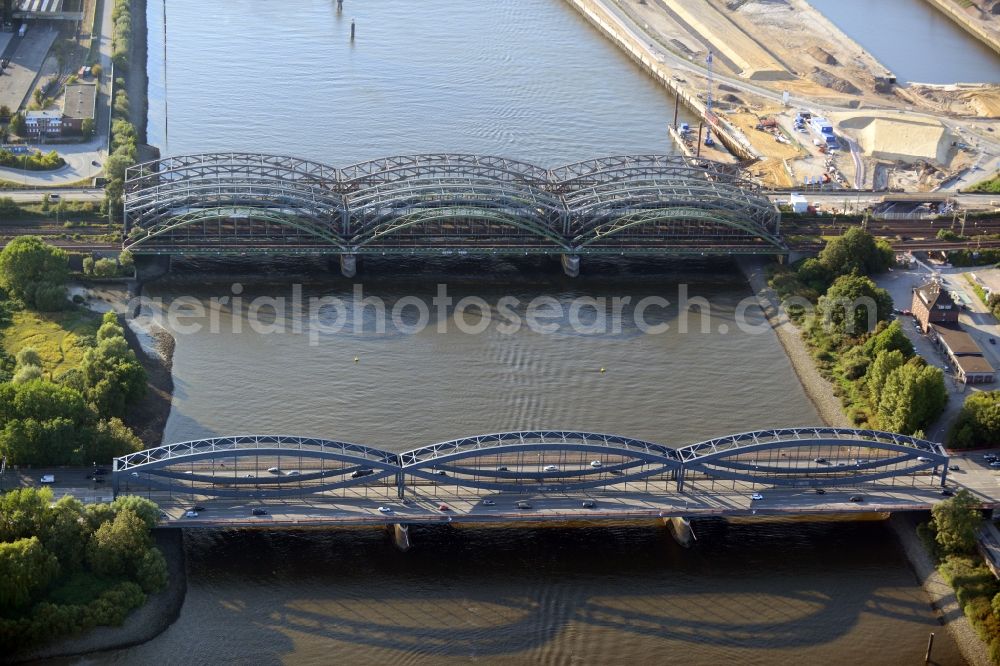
(976, 288)
(989, 185)
(59, 337)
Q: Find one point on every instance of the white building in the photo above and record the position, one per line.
(47, 122)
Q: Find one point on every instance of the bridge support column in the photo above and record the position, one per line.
(571, 264)
(680, 530)
(348, 265)
(151, 266)
(401, 536)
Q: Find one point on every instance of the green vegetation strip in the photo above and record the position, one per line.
(846, 323)
(951, 538)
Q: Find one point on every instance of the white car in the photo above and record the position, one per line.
(384, 509)
(488, 502)
(190, 514)
(596, 464)
(550, 468)
(48, 478)
(273, 470)
(756, 496)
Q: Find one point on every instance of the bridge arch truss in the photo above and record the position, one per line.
(273, 466)
(234, 203)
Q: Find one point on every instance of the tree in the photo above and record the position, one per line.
(956, 520)
(116, 548)
(888, 338)
(28, 356)
(28, 262)
(88, 265)
(978, 423)
(142, 507)
(878, 372)
(105, 267)
(87, 128)
(32, 442)
(25, 568)
(151, 572)
(854, 305)
(67, 533)
(17, 125)
(27, 373)
(856, 251)
(41, 400)
(24, 512)
(912, 398)
(107, 440)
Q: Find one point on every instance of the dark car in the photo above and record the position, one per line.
(857, 498)
(100, 470)
(358, 473)
(947, 492)
(502, 469)
(199, 509)
(820, 491)
(258, 512)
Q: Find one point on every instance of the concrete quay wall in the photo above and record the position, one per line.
(601, 18)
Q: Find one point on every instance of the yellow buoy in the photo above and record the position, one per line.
(356, 359)
(602, 370)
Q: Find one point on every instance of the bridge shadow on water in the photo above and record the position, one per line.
(493, 592)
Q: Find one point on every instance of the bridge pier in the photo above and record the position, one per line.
(571, 264)
(348, 265)
(401, 536)
(151, 266)
(680, 530)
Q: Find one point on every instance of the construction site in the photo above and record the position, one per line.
(784, 91)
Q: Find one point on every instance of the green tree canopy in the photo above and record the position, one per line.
(23, 512)
(856, 251)
(957, 519)
(878, 372)
(28, 262)
(888, 337)
(25, 568)
(912, 398)
(41, 400)
(854, 305)
(118, 546)
(978, 424)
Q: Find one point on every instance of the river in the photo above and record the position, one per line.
(914, 40)
(529, 80)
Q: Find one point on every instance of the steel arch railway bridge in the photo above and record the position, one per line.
(267, 467)
(248, 203)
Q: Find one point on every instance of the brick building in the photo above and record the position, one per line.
(933, 305)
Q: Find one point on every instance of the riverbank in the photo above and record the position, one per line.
(144, 623)
(941, 594)
(819, 391)
(154, 347)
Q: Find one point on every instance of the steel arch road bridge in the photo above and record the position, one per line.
(247, 203)
(538, 475)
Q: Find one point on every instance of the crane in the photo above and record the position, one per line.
(709, 115)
